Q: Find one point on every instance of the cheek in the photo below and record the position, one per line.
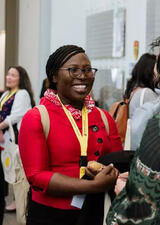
(91, 82)
(64, 82)
(15, 81)
(63, 85)
(7, 79)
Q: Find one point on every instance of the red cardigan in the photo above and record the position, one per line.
(61, 152)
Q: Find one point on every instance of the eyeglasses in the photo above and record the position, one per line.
(77, 72)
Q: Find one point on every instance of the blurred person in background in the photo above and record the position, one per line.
(142, 76)
(2, 194)
(14, 103)
(140, 90)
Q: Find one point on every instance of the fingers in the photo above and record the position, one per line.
(120, 184)
(92, 170)
(117, 172)
(90, 174)
(123, 176)
(108, 169)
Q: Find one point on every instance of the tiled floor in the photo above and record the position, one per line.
(10, 218)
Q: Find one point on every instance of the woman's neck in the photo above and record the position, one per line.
(13, 89)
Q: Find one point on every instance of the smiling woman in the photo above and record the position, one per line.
(54, 167)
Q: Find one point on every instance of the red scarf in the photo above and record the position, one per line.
(76, 113)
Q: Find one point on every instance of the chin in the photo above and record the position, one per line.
(81, 97)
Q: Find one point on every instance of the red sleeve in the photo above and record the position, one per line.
(33, 151)
(116, 144)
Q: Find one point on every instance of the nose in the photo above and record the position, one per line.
(82, 74)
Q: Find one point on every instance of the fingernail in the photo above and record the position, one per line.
(111, 164)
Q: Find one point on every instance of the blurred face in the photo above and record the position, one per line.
(73, 90)
(12, 79)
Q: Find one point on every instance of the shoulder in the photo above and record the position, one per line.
(108, 116)
(31, 119)
(145, 90)
(149, 95)
(32, 114)
(22, 93)
(22, 100)
(148, 91)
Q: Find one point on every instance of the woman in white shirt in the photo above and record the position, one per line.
(143, 76)
(141, 89)
(17, 100)
(14, 103)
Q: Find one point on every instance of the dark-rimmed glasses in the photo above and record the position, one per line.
(77, 72)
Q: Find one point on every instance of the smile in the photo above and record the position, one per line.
(80, 87)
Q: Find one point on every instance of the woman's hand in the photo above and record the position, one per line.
(101, 173)
(121, 182)
(1, 137)
(106, 178)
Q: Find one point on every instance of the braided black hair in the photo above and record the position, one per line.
(58, 58)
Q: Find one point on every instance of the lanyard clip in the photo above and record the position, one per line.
(83, 161)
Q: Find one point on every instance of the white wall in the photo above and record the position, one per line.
(135, 27)
(46, 25)
(28, 49)
(67, 23)
(44, 37)
(34, 39)
(68, 26)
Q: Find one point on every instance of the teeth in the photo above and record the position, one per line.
(80, 86)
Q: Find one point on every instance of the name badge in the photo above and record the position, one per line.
(78, 200)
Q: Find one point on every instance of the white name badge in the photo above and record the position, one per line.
(78, 200)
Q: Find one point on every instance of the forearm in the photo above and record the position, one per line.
(61, 185)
